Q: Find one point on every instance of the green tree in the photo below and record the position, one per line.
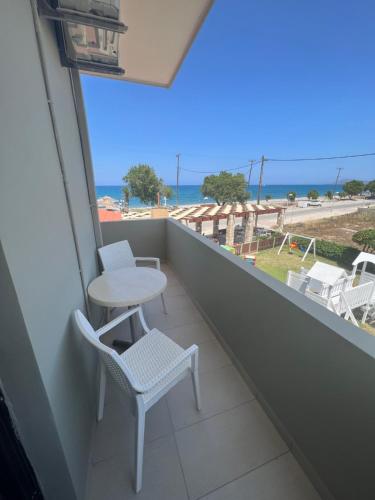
(291, 196)
(354, 187)
(366, 237)
(370, 186)
(126, 192)
(142, 182)
(166, 191)
(313, 194)
(225, 188)
(268, 197)
(342, 194)
(329, 195)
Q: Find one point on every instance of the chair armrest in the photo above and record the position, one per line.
(188, 353)
(122, 317)
(156, 260)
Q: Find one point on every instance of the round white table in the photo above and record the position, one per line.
(125, 287)
(128, 286)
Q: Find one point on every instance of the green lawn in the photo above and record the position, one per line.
(279, 265)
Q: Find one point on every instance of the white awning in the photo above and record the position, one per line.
(160, 34)
(364, 257)
(326, 273)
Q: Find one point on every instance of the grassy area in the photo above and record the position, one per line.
(279, 265)
(339, 229)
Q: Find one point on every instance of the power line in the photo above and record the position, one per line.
(322, 157)
(217, 171)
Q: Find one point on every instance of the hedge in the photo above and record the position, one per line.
(341, 254)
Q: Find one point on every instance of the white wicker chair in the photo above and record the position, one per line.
(118, 255)
(146, 371)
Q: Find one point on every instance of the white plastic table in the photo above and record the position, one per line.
(126, 287)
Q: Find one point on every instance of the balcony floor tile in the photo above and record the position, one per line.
(280, 479)
(229, 450)
(226, 446)
(163, 478)
(186, 335)
(221, 389)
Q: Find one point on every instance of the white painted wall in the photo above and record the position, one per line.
(37, 240)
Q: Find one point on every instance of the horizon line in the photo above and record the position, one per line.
(254, 185)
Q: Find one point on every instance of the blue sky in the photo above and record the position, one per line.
(284, 78)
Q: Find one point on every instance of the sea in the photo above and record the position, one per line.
(189, 194)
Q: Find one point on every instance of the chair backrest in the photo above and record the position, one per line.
(356, 297)
(116, 255)
(108, 356)
(297, 281)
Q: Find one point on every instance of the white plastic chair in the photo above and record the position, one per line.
(146, 371)
(118, 255)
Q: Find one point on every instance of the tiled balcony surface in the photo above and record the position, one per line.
(229, 450)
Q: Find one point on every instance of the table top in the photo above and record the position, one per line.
(127, 286)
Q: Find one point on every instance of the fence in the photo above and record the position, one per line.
(256, 246)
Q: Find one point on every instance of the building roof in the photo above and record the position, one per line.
(108, 215)
(364, 257)
(326, 273)
(215, 212)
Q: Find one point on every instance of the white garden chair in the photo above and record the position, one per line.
(146, 371)
(118, 255)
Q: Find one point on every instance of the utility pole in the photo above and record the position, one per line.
(260, 178)
(250, 171)
(262, 161)
(338, 174)
(178, 178)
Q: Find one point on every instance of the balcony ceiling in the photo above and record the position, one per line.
(160, 33)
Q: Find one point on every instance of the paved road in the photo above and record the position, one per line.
(329, 209)
(296, 214)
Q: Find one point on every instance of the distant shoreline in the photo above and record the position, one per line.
(191, 195)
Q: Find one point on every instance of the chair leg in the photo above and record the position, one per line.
(164, 305)
(101, 395)
(195, 380)
(140, 434)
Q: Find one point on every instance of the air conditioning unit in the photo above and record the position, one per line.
(88, 33)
